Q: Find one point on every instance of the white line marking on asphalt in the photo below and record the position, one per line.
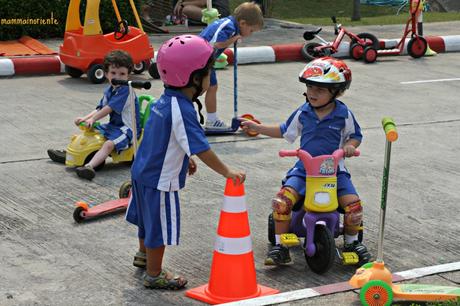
(430, 81)
(309, 292)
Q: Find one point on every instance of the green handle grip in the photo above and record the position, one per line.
(97, 123)
(389, 126)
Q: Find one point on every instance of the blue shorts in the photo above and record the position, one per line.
(156, 214)
(344, 184)
(213, 77)
(121, 137)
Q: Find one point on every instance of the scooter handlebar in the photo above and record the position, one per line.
(135, 84)
(389, 127)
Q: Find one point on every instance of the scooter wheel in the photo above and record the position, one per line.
(324, 256)
(271, 229)
(376, 292)
(417, 47)
(125, 190)
(78, 214)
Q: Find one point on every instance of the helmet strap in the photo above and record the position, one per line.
(195, 99)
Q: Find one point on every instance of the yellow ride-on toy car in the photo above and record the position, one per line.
(83, 147)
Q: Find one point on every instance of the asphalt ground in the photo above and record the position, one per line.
(48, 259)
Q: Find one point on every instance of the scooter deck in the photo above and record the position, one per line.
(424, 292)
(106, 208)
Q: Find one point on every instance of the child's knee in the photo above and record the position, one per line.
(353, 212)
(109, 146)
(283, 202)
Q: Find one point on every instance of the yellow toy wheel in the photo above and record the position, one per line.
(376, 293)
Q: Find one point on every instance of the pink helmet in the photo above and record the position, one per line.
(180, 56)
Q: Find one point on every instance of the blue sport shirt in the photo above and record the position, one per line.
(319, 137)
(120, 116)
(220, 30)
(171, 135)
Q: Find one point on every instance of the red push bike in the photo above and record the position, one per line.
(363, 45)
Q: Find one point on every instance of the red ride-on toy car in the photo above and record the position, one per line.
(84, 47)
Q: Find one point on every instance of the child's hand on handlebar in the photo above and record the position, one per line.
(238, 177)
(349, 150)
(78, 120)
(89, 122)
(249, 125)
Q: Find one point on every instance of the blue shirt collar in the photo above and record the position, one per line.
(340, 110)
(235, 24)
(176, 93)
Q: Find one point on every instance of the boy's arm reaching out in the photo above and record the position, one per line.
(268, 130)
(98, 115)
(212, 161)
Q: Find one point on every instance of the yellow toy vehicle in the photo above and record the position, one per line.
(83, 147)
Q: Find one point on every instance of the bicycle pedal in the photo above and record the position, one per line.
(289, 240)
(350, 258)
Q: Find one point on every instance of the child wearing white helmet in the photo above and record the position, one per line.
(171, 136)
(324, 125)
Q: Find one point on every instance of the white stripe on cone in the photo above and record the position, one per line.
(234, 204)
(233, 246)
(6, 67)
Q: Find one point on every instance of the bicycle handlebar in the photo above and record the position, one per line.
(135, 84)
(339, 153)
(389, 127)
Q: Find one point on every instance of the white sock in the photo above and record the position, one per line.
(277, 239)
(211, 117)
(350, 238)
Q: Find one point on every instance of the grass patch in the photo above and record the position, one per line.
(319, 12)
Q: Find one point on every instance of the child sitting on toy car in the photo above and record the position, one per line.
(118, 65)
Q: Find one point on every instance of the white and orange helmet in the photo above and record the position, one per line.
(326, 72)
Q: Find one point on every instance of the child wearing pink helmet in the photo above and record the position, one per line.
(171, 136)
(324, 125)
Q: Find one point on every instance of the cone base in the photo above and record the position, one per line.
(202, 293)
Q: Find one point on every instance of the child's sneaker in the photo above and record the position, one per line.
(215, 125)
(57, 155)
(140, 260)
(86, 172)
(164, 281)
(360, 249)
(278, 255)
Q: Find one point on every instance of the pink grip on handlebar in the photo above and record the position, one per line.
(284, 153)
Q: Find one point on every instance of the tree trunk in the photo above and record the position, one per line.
(356, 11)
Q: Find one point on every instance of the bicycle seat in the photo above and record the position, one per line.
(309, 35)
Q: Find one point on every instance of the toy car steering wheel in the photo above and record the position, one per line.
(121, 29)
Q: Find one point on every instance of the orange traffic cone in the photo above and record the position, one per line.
(233, 274)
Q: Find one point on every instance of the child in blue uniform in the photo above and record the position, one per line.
(324, 125)
(118, 65)
(222, 33)
(171, 136)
